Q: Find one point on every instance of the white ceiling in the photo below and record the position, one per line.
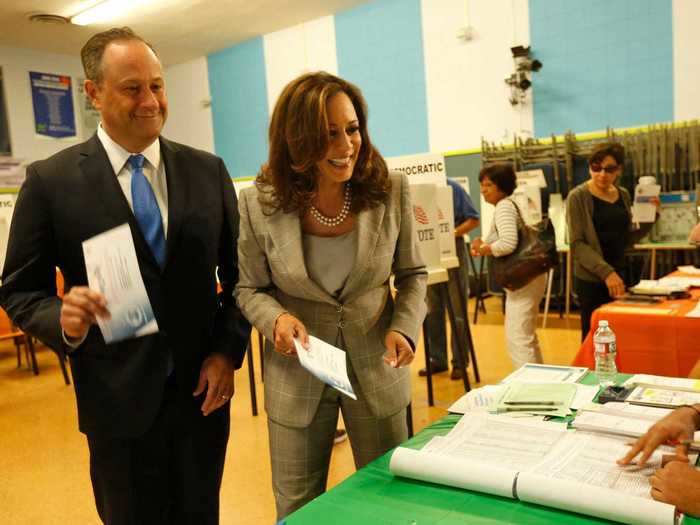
(180, 30)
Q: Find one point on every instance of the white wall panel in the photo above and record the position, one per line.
(686, 59)
(290, 52)
(466, 93)
(189, 115)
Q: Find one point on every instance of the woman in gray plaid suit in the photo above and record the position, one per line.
(321, 232)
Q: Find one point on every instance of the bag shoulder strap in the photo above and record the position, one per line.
(520, 222)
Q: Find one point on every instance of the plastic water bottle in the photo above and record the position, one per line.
(605, 353)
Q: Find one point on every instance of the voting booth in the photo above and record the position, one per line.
(432, 202)
(433, 215)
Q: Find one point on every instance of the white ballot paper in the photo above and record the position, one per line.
(327, 363)
(642, 209)
(113, 270)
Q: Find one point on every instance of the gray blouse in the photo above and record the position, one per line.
(329, 260)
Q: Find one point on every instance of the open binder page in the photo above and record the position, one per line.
(593, 500)
(453, 471)
(574, 471)
(499, 441)
(590, 459)
(581, 475)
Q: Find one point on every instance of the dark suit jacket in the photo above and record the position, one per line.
(75, 195)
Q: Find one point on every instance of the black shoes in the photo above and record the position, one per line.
(435, 368)
(455, 375)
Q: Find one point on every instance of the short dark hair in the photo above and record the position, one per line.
(502, 175)
(299, 138)
(607, 149)
(94, 48)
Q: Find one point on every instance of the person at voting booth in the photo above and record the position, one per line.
(677, 482)
(466, 219)
(154, 408)
(599, 218)
(322, 231)
(498, 182)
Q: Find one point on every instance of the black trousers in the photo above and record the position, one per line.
(457, 287)
(170, 475)
(591, 295)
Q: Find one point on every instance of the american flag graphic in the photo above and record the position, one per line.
(420, 215)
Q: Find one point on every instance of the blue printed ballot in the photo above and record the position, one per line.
(113, 270)
(327, 363)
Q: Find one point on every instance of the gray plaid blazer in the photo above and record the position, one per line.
(273, 279)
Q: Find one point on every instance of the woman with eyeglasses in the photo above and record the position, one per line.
(599, 217)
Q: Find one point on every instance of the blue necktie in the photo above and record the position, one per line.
(146, 209)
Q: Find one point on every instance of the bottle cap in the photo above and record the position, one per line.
(602, 323)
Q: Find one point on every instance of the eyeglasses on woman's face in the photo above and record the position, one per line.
(610, 169)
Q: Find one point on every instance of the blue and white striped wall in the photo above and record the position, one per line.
(618, 63)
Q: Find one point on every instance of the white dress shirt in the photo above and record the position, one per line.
(153, 170)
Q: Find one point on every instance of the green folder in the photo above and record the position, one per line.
(547, 399)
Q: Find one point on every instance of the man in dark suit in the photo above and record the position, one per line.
(155, 408)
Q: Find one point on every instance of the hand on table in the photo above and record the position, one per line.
(678, 484)
(678, 425)
(615, 284)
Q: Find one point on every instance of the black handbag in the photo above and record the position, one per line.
(535, 254)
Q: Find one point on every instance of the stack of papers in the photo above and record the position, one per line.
(477, 400)
(618, 408)
(620, 419)
(669, 383)
(536, 373)
(658, 287)
(547, 399)
(680, 282)
(690, 270)
(482, 399)
(662, 397)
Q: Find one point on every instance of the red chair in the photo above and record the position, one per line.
(19, 338)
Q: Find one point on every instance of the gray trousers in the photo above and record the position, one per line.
(301, 456)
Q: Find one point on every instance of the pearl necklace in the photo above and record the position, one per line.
(330, 222)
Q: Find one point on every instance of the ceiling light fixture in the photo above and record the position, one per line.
(104, 11)
(46, 18)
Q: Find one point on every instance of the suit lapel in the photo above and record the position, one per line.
(285, 232)
(176, 177)
(108, 194)
(368, 224)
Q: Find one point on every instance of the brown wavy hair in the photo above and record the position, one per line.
(299, 138)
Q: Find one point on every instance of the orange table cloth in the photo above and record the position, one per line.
(651, 339)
